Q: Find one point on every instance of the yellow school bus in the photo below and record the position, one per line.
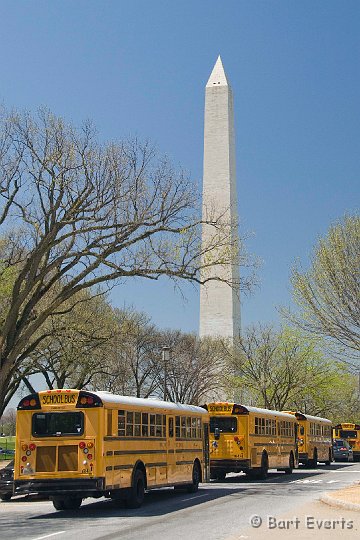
(315, 441)
(350, 432)
(251, 440)
(73, 444)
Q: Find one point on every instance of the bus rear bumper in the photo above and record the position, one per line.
(229, 465)
(86, 487)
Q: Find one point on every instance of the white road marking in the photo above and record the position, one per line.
(48, 535)
(190, 498)
(306, 481)
(344, 470)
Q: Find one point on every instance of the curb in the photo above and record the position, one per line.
(339, 503)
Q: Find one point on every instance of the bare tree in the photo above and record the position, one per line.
(77, 345)
(196, 370)
(328, 294)
(132, 367)
(8, 422)
(76, 214)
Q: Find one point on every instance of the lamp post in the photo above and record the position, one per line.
(165, 360)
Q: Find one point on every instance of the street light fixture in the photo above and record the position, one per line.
(165, 360)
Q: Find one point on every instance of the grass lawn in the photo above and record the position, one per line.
(7, 443)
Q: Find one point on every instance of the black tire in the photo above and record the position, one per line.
(67, 503)
(260, 473)
(291, 466)
(6, 496)
(58, 504)
(196, 477)
(220, 475)
(328, 462)
(264, 469)
(313, 463)
(72, 503)
(137, 493)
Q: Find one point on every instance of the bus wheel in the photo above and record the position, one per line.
(196, 476)
(291, 466)
(328, 462)
(6, 497)
(137, 494)
(72, 503)
(259, 473)
(58, 503)
(313, 462)
(263, 472)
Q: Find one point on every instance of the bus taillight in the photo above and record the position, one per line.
(86, 399)
(30, 402)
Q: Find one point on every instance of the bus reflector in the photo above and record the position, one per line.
(89, 456)
(24, 458)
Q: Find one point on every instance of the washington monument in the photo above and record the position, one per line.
(219, 303)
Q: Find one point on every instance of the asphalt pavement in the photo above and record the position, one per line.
(218, 511)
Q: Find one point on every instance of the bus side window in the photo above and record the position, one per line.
(171, 427)
(302, 431)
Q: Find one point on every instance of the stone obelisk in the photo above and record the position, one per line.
(219, 303)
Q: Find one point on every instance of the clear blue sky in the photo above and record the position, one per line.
(140, 67)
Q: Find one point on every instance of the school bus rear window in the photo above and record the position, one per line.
(57, 424)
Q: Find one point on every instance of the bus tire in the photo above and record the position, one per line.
(196, 477)
(291, 466)
(314, 461)
(58, 503)
(6, 497)
(328, 461)
(263, 472)
(137, 492)
(220, 475)
(72, 503)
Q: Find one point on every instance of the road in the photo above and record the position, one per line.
(219, 511)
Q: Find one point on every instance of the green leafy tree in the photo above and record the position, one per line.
(288, 370)
(328, 293)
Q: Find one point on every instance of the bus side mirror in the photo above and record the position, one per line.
(217, 433)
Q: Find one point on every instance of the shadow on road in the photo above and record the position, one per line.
(160, 502)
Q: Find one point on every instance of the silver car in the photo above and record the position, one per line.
(342, 450)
